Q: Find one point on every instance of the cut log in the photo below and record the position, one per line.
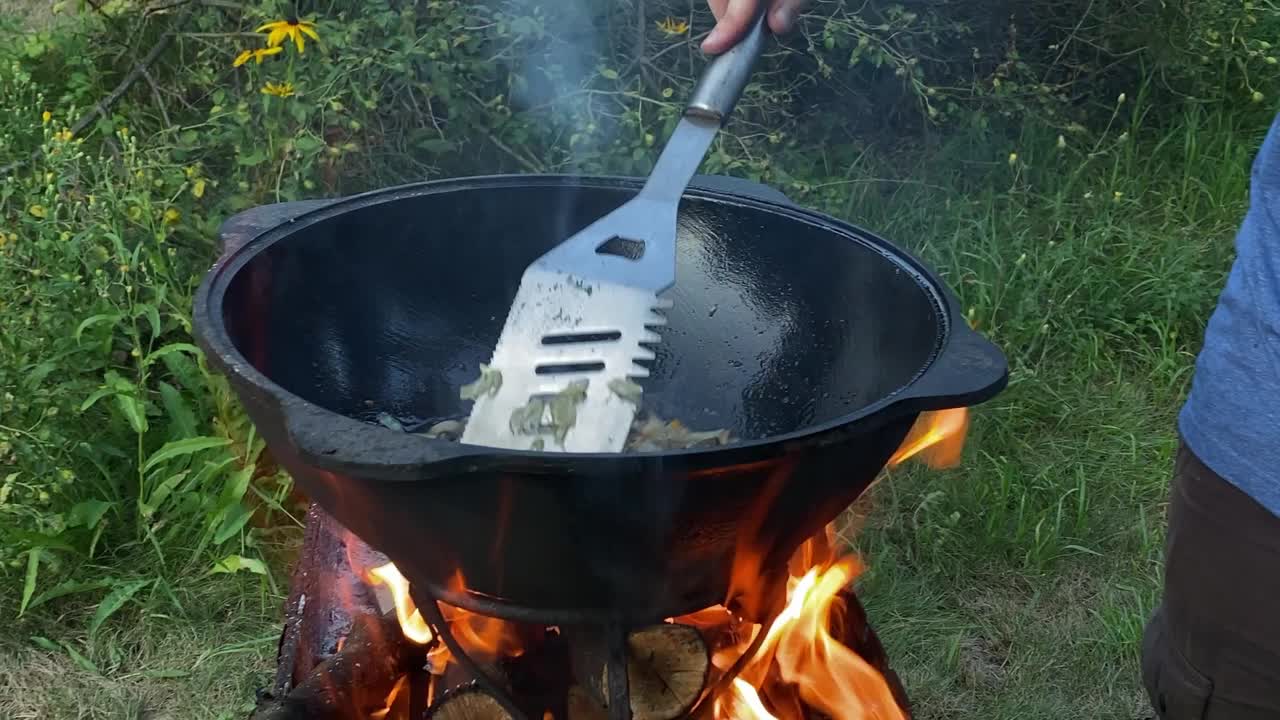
(582, 705)
(667, 666)
(456, 676)
(469, 702)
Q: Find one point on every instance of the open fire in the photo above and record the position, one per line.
(794, 666)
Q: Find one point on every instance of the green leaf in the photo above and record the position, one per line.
(153, 317)
(68, 587)
(95, 320)
(237, 563)
(180, 414)
(209, 471)
(29, 587)
(299, 112)
(96, 396)
(257, 157)
(182, 367)
(46, 643)
(184, 447)
(149, 506)
(87, 514)
(118, 382)
(232, 525)
(435, 145)
(308, 144)
(170, 349)
(134, 412)
(236, 486)
(36, 375)
(85, 663)
(38, 540)
(113, 602)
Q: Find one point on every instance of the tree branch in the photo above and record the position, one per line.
(103, 106)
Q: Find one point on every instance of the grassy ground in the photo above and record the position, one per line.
(1013, 586)
(205, 661)
(1017, 585)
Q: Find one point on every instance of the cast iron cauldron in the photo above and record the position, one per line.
(815, 342)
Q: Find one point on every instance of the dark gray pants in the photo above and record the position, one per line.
(1212, 649)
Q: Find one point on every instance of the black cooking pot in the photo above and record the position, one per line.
(813, 341)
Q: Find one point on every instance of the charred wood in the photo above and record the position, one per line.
(354, 683)
(859, 636)
(325, 594)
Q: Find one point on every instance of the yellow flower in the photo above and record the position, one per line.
(64, 135)
(290, 28)
(198, 188)
(45, 117)
(37, 211)
(172, 216)
(671, 26)
(283, 90)
(256, 55)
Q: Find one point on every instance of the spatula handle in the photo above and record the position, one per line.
(726, 76)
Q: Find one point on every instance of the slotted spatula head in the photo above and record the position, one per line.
(564, 373)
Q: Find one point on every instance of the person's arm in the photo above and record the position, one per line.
(732, 17)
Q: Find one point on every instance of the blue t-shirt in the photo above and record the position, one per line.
(1231, 419)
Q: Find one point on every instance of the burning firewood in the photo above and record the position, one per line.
(458, 677)
(353, 683)
(667, 666)
(467, 702)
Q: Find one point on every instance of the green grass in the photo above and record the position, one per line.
(1017, 585)
(1013, 586)
(198, 651)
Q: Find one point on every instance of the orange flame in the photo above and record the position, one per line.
(411, 622)
(392, 698)
(937, 437)
(799, 659)
(799, 665)
(482, 636)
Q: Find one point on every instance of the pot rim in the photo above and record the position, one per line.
(211, 334)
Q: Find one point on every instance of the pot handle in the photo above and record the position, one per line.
(239, 229)
(740, 186)
(969, 370)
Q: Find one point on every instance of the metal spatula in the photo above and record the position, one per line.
(562, 374)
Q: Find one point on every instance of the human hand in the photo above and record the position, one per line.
(732, 17)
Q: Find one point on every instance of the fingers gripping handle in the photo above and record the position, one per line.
(726, 76)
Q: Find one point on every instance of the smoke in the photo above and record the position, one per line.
(564, 46)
